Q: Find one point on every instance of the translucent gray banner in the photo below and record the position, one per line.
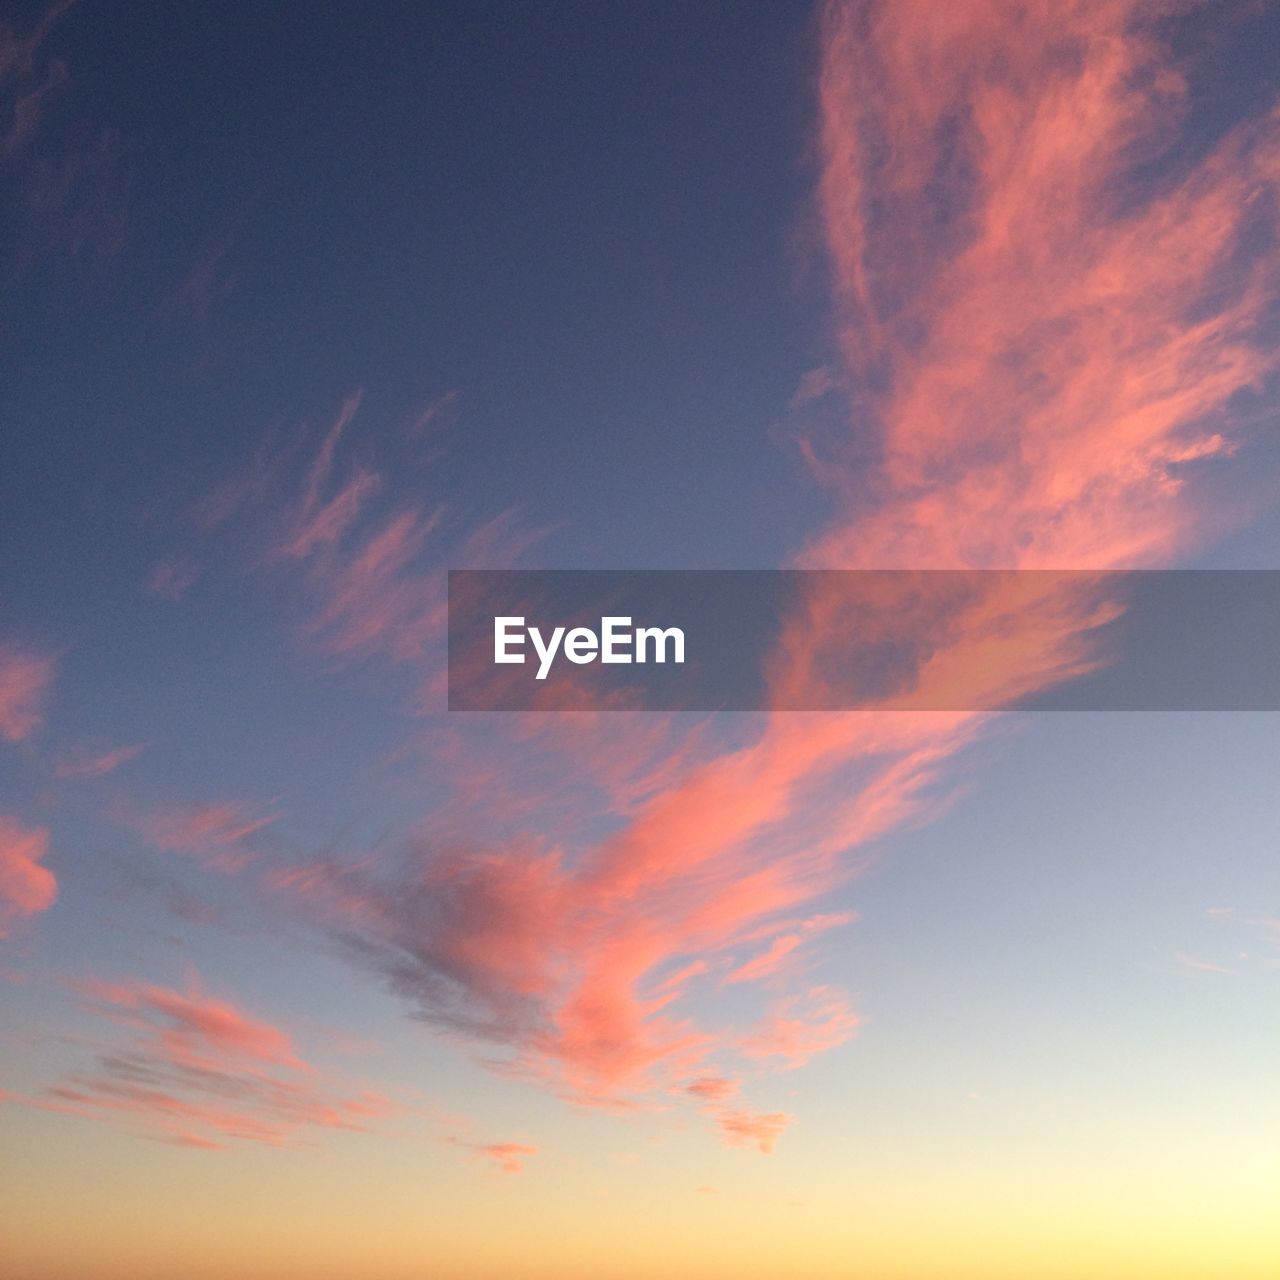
(826, 640)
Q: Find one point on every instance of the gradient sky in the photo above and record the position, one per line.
(304, 976)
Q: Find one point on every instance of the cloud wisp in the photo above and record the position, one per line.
(217, 834)
(1044, 313)
(27, 887)
(86, 762)
(25, 681)
(202, 1072)
(1045, 317)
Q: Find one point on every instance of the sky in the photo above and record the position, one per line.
(304, 975)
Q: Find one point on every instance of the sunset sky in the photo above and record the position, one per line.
(305, 976)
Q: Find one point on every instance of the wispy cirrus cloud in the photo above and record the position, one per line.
(192, 1027)
(508, 1156)
(27, 887)
(783, 950)
(87, 762)
(172, 577)
(1252, 943)
(25, 680)
(712, 1088)
(573, 968)
(1046, 303)
(27, 80)
(219, 833)
(801, 1027)
(1195, 964)
(69, 184)
(429, 416)
(1042, 322)
(375, 562)
(201, 1072)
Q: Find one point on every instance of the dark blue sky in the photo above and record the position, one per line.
(588, 220)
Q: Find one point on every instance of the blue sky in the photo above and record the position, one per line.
(303, 308)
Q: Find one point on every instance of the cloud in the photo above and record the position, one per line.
(372, 594)
(85, 763)
(1267, 924)
(373, 557)
(438, 408)
(193, 1028)
(25, 84)
(712, 1088)
(1195, 965)
(1041, 322)
(781, 954)
(67, 176)
(25, 679)
(203, 1073)
(576, 966)
(509, 1156)
(737, 1126)
(815, 384)
(316, 521)
(742, 1128)
(803, 1026)
(26, 887)
(216, 833)
(1256, 941)
(172, 577)
(1045, 302)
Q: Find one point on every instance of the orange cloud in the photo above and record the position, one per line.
(26, 887)
(25, 679)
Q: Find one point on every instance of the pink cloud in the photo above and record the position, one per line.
(373, 562)
(781, 953)
(1050, 352)
(1054, 347)
(201, 1072)
(85, 763)
(803, 1026)
(199, 1143)
(509, 1156)
(432, 412)
(215, 832)
(193, 1027)
(576, 966)
(712, 1088)
(25, 679)
(742, 1128)
(26, 887)
(321, 517)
